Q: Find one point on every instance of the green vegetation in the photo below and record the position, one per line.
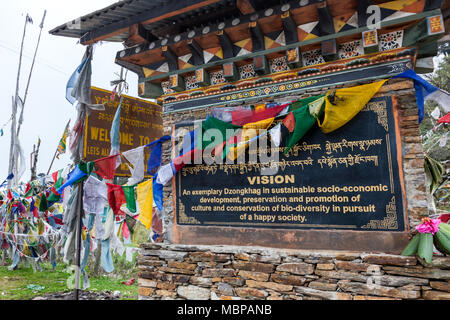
(13, 284)
(431, 135)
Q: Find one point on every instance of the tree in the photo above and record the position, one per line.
(433, 135)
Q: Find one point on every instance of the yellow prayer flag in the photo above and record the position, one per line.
(347, 103)
(249, 131)
(26, 249)
(144, 195)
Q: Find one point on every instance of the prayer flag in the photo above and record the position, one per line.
(62, 142)
(445, 119)
(118, 195)
(144, 195)
(242, 117)
(426, 91)
(154, 161)
(345, 103)
(106, 167)
(249, 131)
(289, 122)
(303, 123)
(70, 95)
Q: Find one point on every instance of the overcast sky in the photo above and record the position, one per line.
(47, 111)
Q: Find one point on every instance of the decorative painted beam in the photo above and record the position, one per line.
(257, 36)
(202, 78)
(166, 10)
(430, 27)
(289, 28)
(383, 24)
(132, 67)
(326, 27)
(177, 82)
(197, 52)
(246, 6)
(145, 34)
(171, 58)
(432, 4)
(150, 90)
(326, 24)
(362, 12)
(329, 50)
(230, 72)
(293, 58)
(261, 65)
(226, 44)
(370, 41)
(221, 26)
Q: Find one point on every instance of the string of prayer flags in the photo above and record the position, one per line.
(118, 195)
(154, 161)
(343, 104)
(247, 116)
(81, 171)
(304, 102)
(144, 196)
(210, 137)
(249, 131)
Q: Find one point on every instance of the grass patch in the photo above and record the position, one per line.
(13, 284)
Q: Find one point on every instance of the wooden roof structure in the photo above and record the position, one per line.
(178, 46)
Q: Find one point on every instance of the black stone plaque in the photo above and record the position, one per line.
(348, 179)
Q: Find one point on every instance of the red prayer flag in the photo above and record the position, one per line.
(106, 167)
(125, 230)
(445, 119)
(186, 158)
(55, 176)
(116, 197)
(289, 122)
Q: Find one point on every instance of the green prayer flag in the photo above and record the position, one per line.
(303, 123)
(130, 197)
(208, 138)
(131, 222)
(43, 205)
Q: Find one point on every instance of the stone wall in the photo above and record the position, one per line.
(411, 142)
(234, 272)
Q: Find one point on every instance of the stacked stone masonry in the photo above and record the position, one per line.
(168, 271)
